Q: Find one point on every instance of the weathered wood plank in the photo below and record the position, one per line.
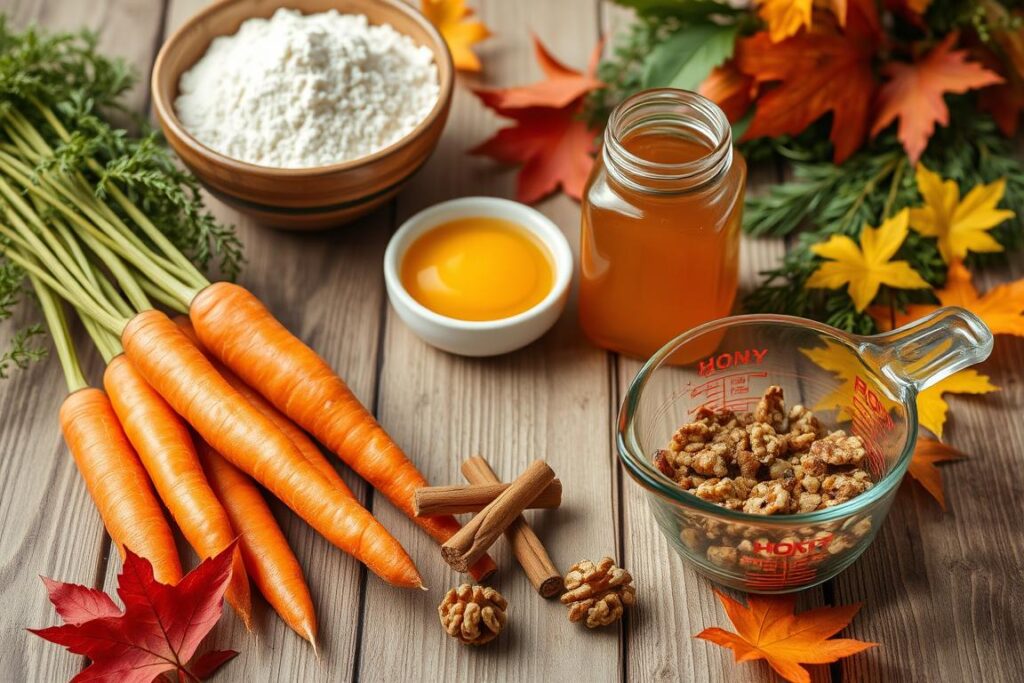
(678, 603)
(942, 589)
(327, 288)
(549, 400)
(50, 525)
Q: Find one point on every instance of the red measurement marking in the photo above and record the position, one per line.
(773, 573)
(871, 422)
(730, 359)
(728, 392)
(784, 564)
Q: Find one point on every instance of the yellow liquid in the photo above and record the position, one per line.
(477, 269)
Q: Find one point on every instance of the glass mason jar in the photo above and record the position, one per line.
(659, 246)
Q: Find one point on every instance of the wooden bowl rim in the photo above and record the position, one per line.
(169, 118)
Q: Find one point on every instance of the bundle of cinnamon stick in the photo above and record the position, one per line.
(499, 509)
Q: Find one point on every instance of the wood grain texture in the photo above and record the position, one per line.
(675, 602)
(327, 288)
(550, 400)
(50, 525)
(942, 590)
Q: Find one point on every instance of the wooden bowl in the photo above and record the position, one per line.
(303, 198)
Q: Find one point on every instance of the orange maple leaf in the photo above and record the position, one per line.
(560, 87)
(730, 89)
(927, 454)
(822, 70)
(550, 139)
(768, 629)
(1002, 307)
(914, 93)
(455, 23)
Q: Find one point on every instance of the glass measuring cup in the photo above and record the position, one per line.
(865, 385)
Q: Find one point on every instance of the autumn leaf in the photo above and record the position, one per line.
(1001, 308)
(866, 267)
(560, 88)
(730, 89)
(844, 364)
(927, 454)
(932, 407)
(914, 93)
(552, 142)
(959, 225)
(786, 17)
(811, 74)
(1004, 102)
(455, 23)
(159, 630)
(768, 629)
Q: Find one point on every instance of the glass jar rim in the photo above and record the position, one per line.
(643, 471)
(692, 173)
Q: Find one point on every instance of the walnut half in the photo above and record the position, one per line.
(473, 614)
(598, 592)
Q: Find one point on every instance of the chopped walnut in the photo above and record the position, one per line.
(597, 592)
(842, 487)
(473, 614)
(768, 462)
(839, 449)
(661, 461)
(765, 443)
(710, 461)
(723, 556)
(771, 409)
(768, 498)
(748, 464)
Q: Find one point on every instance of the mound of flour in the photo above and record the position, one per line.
(295, 90)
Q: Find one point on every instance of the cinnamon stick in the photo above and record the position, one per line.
(473, 540)
(525, 544)
(453, 500)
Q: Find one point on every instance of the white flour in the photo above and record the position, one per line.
(296, 90)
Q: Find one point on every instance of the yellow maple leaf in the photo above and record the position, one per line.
(842, 362)
(866, 267)
(453, 19)
(932, 408)
(961, 225)
(1002, 307)
(785, 18)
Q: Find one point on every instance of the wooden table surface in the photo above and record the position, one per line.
(942, 592)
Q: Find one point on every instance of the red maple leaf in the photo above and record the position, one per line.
(159, 630)
(550, 140)
(826, 69)
(730, 89)
(914, 93)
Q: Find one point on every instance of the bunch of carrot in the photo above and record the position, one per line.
(198, 408)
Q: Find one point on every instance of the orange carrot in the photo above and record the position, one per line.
(309, 450)
(268, 557)
(167, 453)
(117, 483)
(180, 373)
(238, 329)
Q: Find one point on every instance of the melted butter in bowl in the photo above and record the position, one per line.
(478, 276)
(478, 268)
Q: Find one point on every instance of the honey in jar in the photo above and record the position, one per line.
(659, 249)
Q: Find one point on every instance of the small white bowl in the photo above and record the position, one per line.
(471, 337)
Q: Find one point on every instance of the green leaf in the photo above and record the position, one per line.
(687, 57)
(684, 10)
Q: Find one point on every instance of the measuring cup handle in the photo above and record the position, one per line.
(930, 349)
